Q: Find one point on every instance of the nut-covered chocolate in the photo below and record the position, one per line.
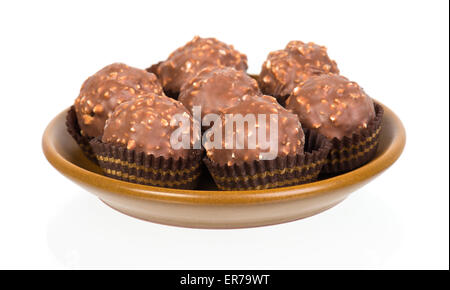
(217, 88)
(199, 53)
(332, 105)
(290, 139)
(102, 92)
(144, 124)
(284, 69)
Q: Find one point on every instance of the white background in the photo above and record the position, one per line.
(397, 50)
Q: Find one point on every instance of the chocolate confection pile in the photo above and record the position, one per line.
(276, 129)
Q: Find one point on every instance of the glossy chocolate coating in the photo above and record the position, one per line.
(284, 69)
(332, 105)
(144, 124)
(217, 88)
(199, 53)
(290, 139)
(102, 92)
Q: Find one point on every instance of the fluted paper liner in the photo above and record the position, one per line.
(74, 130)
(353, 152)
(138, 167)
(282, 171)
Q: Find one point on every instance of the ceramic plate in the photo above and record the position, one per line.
(208, 207)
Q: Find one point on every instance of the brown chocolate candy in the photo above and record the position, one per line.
(199, 53)
(144, 124)
(284, 69)
(332, 105)
(217, 88)
(290, 138)
(102, 92)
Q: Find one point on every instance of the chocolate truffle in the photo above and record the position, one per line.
(144, 124)
(185, 62)
(102, 92)
(290, 139)
(331, 104)
(286, 68)
(217, 88)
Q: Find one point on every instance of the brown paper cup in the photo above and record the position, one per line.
(74, 130)
(353, 152)
(282, 171)
(137, 167)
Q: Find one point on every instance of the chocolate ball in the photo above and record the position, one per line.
(144, 124)
(284, 69)
(217, 88)
(102, 92)
(199, 53)
(332, 105)
(290, 139)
